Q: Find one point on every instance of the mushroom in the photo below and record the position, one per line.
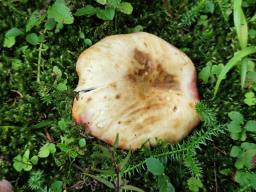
(5, 186)
(136, 86)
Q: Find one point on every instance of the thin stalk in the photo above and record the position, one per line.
(117, 171)
(39, 60)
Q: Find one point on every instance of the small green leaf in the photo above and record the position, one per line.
(25, 157)
(56, 186)
(251, 75)
(236, 116)
(34, 159)
(106, 14)
(243, 136)
(235, 151)
(62, 87)
(164, 184)
(250, 98)
(239, 164)
(194, 184)
(57, 72)
(205, 74)
(247, 145)
(245, 178)
(18, 163)
(44, 151)
(10, 37)
(50, 24)
(32, 38)
(82, 142)
(252, 33)
(88, 10)
(16, 64)
(102, 2)
(27, 166)
(88, 42)
(235, 136)
(113, 3)
(234, 127)
(60, 12)
(248, 158)
(51, 147)
(35, 19)
(63, 124)
(42, 124)
(209, 7)
(125, 8)
(154, 166)
(9, 42)
(13, 32)
(216, 69)
(251, 126)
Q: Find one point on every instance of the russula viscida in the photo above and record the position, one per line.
(137, 86)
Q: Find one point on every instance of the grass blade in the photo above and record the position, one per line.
(231, 63)
(101, 180)
(132, 188)
(240, 24)
(243, 71)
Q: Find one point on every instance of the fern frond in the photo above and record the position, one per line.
(44, 94)
(35, 181)
(224, 6)
(207, 116)
(193, 165)
(178, 152)
(190, 16)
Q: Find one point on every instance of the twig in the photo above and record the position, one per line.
(49, 137)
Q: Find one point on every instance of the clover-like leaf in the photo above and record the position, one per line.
(18, 163)
(45, 150)
(250, 98)
(235, 151)
(236, 116)
(234, 127)
(60, 12)
(250, 126)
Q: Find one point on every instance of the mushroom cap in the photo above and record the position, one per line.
(137, 86)
(5, 186)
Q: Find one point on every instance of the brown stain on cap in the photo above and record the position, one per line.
(149, 73)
